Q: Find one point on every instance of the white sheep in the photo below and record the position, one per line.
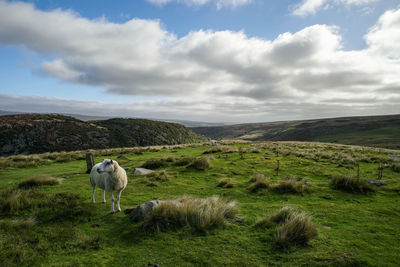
(109, 176)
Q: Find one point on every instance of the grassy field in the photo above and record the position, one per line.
(56, 225)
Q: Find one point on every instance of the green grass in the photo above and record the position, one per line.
(381, 137)
(58, 226)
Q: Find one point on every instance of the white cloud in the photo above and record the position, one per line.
(208, 75)
(384, 37)
(218, 3)
(310, 7)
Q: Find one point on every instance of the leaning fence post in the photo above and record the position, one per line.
(89, 161)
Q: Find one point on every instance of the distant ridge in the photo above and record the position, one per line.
(39, 133)
(82, 117)
(375, 131)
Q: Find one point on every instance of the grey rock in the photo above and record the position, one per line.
(143, 210)
(139, 171)
(307, 182)
(376, 182)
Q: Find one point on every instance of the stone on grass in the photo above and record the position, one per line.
(143, 210)
(139, 171)
(376, 182)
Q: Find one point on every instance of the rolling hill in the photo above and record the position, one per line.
(83, 117)
(39, 133)
(375, 131)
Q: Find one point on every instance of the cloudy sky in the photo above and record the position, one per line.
(204, 60)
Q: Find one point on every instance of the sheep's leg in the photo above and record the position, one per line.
(112, 201)
(118, 197)
(93, 189)
(104, 196)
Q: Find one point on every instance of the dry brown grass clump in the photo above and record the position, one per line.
(290, 185)
(283, 214)
(201, 214)
(351, 184)
(221, 149)
(226, 183)
(278, 217)
(183, 161)
(154, 164)
(170, 159)
(294, 227)
(15, 200)
(39, 180)
(258, 182)
(297, 229)
(159, 176)
(395, 167)
(201, 164)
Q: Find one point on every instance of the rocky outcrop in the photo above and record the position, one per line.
(39, 133)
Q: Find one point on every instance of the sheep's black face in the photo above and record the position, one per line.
(106, 166)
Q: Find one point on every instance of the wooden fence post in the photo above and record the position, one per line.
(241, 153)
(358, 170)
(89, 161)
(277, 167)
(380, 171)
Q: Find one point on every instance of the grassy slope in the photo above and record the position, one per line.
(381, 137)
(378, 131)
(353, 229)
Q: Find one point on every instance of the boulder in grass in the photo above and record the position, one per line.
(143, 210)
(140, 171)
(376, 182)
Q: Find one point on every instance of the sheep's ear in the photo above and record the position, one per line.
(112, 162)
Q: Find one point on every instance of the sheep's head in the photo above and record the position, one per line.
(108, 165)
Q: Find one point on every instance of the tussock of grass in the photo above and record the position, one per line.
(350, 184)
(226, 183)
(296, 230)
(64, 206)
(289, 185)
(199, 214)
(38, 180)
(154, 164)
(283, 214)
(252, 150)
(294, 226)
(27, 223)
(46, 208)
(201, 164)
(12, 202)
(90, 243)
(395, 167)
(258, 182)
(170, 159)
(264, 223)
(183, 161)
(221, 149)
(160, 176)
